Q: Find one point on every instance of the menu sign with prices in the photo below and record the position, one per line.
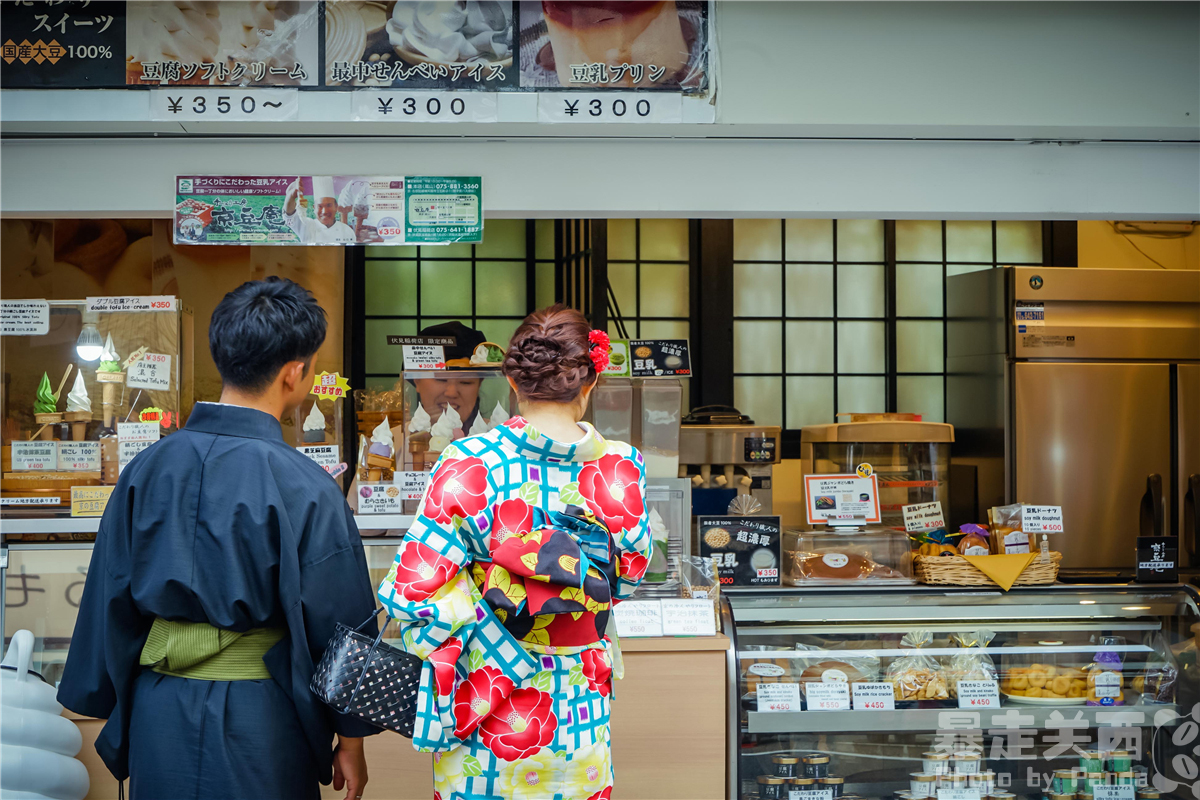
(134, 304)
(827, 696)
(688, 618)
(1041, 519)
(745, 550)
(423, 353)
(845, 497)
(325, 456)
(597, 107)
(778, 697)
(224, 105)
(133, 438)
(24, 317)
(618, 359)
(921, 517)
(665, 358)
(1157, 559)
(412, 484)
(90, 501)
(874, 696)
(379, 498)
(79, 456)
(152, 371)
(398, 106)
(978, 694)
(38, 455)
(638, 618)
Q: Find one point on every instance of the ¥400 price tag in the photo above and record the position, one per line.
(978, 694)
(874, 697)
(618, 107)
(188, 103)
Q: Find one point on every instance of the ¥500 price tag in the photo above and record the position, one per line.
(874, 697)
(1041, 519)
(776, 697)
(978, 694)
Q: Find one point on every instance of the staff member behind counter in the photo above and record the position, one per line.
(326, 228)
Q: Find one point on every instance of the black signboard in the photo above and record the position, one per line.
(62, 44)
(659, 358)
(1157, 559)
(746, 550)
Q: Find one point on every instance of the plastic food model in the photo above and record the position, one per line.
(445, 430)
(109, 373)
(45, 408)
(79, 408)
(917, 676)
(314, 426)
(479, 426)
(499, 416)
(487, 355)
(381, 454)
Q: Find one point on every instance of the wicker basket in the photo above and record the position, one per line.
(957, 571)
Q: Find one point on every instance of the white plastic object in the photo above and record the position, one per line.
(36, 742)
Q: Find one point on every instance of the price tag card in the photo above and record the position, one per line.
(34, 455)
(921, 517)
(24, 317)
(379, 498)
(961, 794)
(846, 497)
(129, 304)
(1041, 519)
(223, 104)
(597, 107)
(326, 456)
(395, 106)
(978, 694)
(89, 501)
(874, 697)
(79, 456)
(1113, 792)
(152, 371)
(412, 484)
(423, 352)
(639, 618)
(659, 358)
(688, 618)
(133, 438)
(774, 697)
(827, 696)
(810, 794)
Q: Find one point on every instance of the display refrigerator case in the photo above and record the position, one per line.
(1036, 693)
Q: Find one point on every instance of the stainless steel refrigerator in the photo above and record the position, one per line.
(1071, 387)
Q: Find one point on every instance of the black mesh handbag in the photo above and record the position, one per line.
(365, 678)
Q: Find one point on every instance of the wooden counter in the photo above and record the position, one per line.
(668, 728)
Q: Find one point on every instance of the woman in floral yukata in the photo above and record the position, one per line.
(526, 537)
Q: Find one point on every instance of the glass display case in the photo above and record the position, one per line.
(1040, 692)
(74, 380)
(316, 431)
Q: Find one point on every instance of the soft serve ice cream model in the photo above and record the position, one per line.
(418, 436)
(499, 416)
(314, 426)
(445, 430)
(79, 408)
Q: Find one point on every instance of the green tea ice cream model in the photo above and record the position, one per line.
(45, 408)
(79, 408)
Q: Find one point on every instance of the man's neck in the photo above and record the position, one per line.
(265, 402)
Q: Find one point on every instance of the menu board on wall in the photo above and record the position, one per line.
(473, 46)
(326, 210)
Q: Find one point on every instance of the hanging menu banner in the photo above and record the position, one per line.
(327, 210)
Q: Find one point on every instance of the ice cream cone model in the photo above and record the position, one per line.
(499, 416)
(79, 408)
(445, 430)
(45, 408)
(314, 426)
(380, 452)
(109, 373)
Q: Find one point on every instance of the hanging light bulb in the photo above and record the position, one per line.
(89, 345)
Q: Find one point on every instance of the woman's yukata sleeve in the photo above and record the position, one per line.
(634, 543)
(427, 590)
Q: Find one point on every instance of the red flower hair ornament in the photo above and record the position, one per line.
(599, 347)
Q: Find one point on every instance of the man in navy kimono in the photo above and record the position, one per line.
(223, 562)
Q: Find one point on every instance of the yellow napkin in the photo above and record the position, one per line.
(1005, 569)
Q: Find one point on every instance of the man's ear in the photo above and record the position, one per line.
(294, 374)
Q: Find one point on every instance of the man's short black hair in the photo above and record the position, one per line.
(261, 326)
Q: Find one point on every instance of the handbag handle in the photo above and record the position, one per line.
(374, 646)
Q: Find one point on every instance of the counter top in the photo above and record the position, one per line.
(663, 644)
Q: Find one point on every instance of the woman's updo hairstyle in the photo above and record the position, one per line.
(548, 357)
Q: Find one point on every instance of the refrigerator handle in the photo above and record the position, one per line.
(1191, 520)
(1150, 522)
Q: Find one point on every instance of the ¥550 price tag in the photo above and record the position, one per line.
(827, 696)
(874, 697)
(978, 694)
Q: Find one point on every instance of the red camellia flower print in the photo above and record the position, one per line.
(511, 518)
(443, 660)
(516, 423)
(597, 670)
(477, 697)
(610, 486)
(522, 725)
(459, 488)
(603, 794)
(421, 570)
(633, 566)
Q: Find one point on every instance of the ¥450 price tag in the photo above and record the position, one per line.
(978, 694)
(874, 697)
(777, 697)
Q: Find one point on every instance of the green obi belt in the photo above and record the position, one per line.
(198, 650)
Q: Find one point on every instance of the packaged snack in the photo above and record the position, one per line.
(974, 541)
(819, 668)
(972, 664)
(1105, 683)
(1007, 534)
(917, 676)
(1157, 680)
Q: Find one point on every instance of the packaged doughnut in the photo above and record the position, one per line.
(1105, 683)
(972, 664)
(917, 676)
